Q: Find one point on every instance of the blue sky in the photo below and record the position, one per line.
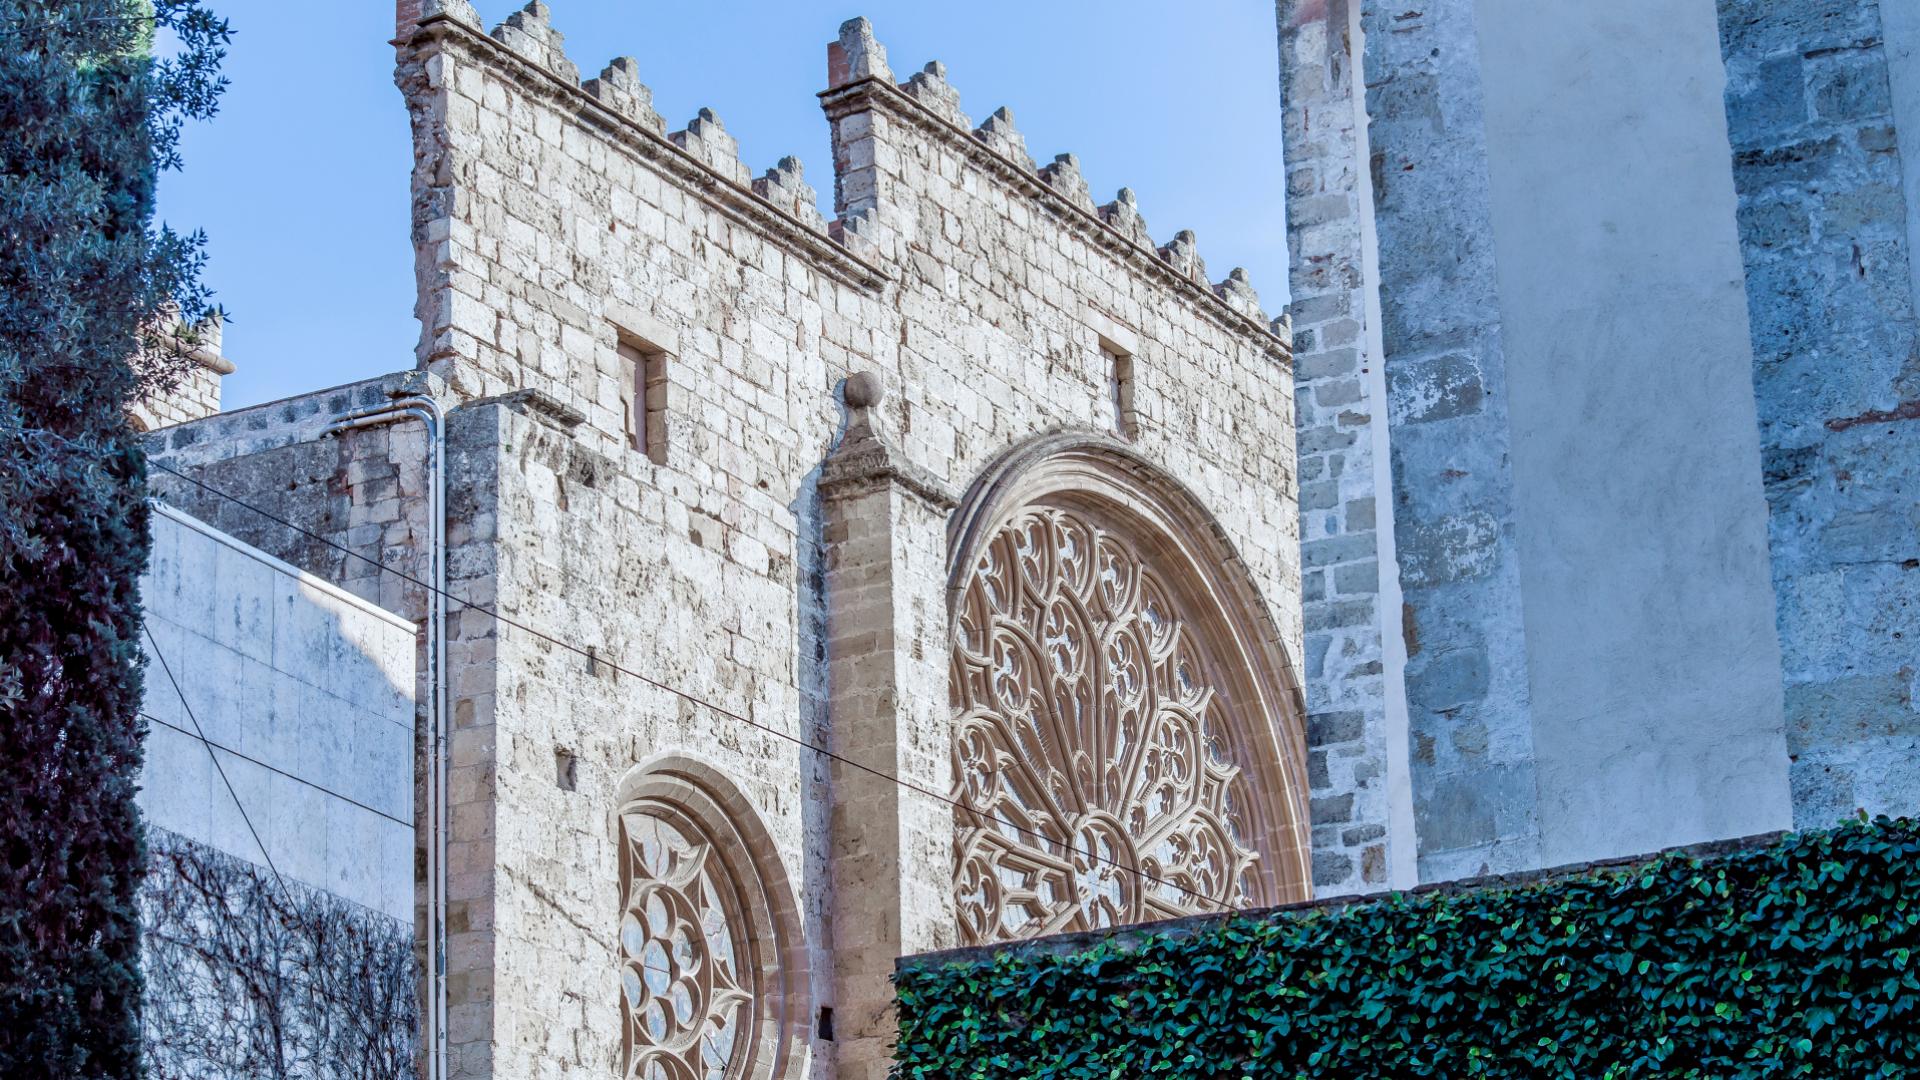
(301, 181)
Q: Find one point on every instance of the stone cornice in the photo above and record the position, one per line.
(872, 91)
(712, 187)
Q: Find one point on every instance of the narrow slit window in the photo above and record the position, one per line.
(1121, 390)
(643, 371)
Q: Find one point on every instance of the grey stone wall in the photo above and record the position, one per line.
(1531, 212)
(1829, 276)
(555, 219)
(1469, 716)
(195, 395)
(1357, 712)
(552, 217)
(1652, 675)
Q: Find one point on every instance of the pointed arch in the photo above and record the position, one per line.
(713, 969)
(1129, 738)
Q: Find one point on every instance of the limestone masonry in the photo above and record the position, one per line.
(708, 558)
(797, 593)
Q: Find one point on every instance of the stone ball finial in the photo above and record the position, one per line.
(864, 390)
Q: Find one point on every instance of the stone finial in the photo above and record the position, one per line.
(1064, 177)
(930, 88)
(864, 391)
(619, 88)
(785, 186)
(530, 33)
(856, 55)
(1183, 253)
(866, 458)
(1123, 216)
(413, 12)
(999, 133)
(706, 139)
(1282, 328)
(1237, 291)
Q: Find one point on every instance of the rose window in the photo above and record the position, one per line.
(1093, 752)
(688, 1000)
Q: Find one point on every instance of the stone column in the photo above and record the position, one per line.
(886, 567)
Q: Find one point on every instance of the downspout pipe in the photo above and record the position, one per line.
(426, 410)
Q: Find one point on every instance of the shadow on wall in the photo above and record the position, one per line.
(305, 695)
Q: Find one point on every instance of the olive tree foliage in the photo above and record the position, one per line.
(91, 291)
(253, 978)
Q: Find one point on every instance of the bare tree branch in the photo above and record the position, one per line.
(245, 980)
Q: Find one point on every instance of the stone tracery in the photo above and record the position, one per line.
(689, 1000)
(1093, 740)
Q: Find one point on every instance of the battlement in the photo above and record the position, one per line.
(195, 391)
(860, 80)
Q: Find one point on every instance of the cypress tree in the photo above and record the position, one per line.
(88, 117)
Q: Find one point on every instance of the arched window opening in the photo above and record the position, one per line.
(712, 974)
(1127, 742)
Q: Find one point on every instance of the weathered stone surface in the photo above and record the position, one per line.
(196, 393)
(1328, 207)
(1565, 370)
(1830, 282)
(775, 578)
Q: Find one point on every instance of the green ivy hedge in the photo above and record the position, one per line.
(1790, 960)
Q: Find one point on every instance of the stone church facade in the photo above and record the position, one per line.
(795, 594)
(815, 592)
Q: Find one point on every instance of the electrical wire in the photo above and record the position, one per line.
(322, 788)
(729, 714)
(154, 646)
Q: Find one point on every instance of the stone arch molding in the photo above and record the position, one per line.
(1123, 707)
(713, 967)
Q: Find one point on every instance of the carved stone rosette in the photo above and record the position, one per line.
(1089, 741)
(1127, 737)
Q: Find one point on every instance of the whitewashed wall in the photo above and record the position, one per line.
(305, 694)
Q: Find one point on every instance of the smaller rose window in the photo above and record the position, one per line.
(687, 999)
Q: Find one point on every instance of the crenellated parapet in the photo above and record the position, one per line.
(861, 85)
(619, 88)
(706, 139)
(1122, 215)
(999, 133)
(1064, 177)
(625, 110)
(931, 88)
(530, 33)
(872, 113)
(785, 187)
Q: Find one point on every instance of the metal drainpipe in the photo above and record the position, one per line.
(428, 412)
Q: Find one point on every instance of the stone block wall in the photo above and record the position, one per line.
(1388, 202)
(556, 219)
(195, 394)
(1531, 210)
(1468, 718)
(1350, 590)
(692, 599)
(1822, 165)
